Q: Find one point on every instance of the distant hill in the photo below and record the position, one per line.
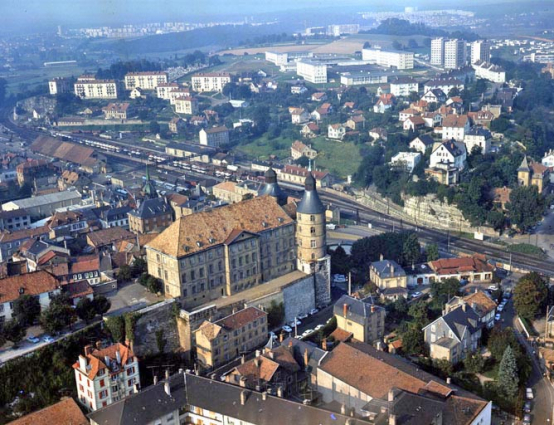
(224, 36)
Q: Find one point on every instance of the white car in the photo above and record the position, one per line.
(307, 332)
(529, 393)
(339, 278)
(497, 317)
(313, 311)
(49, 339)
(302, 316)
(500, 308)
(297, 323)
(416, 294)
(287, 328)
(492, 288)
(318, 327)
(33, 339)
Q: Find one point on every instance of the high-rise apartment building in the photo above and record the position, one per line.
(437, 51)
(450, 54)
(480, 51)
(148, 80)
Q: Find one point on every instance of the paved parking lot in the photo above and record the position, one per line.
(130, 297)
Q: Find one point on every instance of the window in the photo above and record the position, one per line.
(192, 275)
(202, 272)
(312, 218)
(101, 382)
(312, 243)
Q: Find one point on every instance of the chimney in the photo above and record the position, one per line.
(167, 388)
(392, 270)
(264, 396)
(98, 345)
(155, 379)
(344, 309)
(118, 357)
(280, 392)
(380, 257)
(242, 381)
(136, 388)
(290, 343)
(88, 349)
(343, 409)
(391, 395)
(324, 344)
(257, 362)
(306, 357)
(83, 363)
(242, 359)
(392, 419)
(449, 380)
(281, 336)
(271, 355)
(464, 308)
(373, 309)
(352, 412)
(243, 397)
(167, 374)
(258, 353)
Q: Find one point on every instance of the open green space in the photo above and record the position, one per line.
(262, 148)
(525, 248)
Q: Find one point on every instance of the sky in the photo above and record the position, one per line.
(76, 13)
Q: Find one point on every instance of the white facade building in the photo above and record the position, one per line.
(490, 72)
(145, 80)
(403, 86)
(210, 82)
(437, 51)
(454, 54)
(91, 88)
(59, 85)
(406, 160)
(312, 72)
(480, 51)
(277, 58)
(453, 153)
(478, 137)
(388, 58)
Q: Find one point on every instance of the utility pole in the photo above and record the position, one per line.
(448, 241)
(349, 283)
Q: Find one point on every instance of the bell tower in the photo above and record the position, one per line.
(311, 237)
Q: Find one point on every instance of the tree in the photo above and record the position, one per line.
(453, 92)
(101, 304)
(86, 310)
(412, 44)
(474, 363)
(444, 366)
(275, 314)
(3, 90)
(530, 295)
(154, 127)
(340, 261)
(443, 290)
(139, 267)
(525, 207)
(412, 341)
(13, 331)
(432, 252)
(411, 249)
(420, 313)
(508, 379)
(396, 45)
(125, 273)
(26, 309)
(116, 327)
(56, 317)
(154, 285)
(367, 45)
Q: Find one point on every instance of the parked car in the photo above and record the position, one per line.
(314, 311)
(529, 393)
(318, 327)
(302, 316)
(295, 323)
(307, 332)
(500, 308)
(527, 407)
(416, 294)
(339, 278)
(497, 317)
(492, 288)
(33, 339)
(47, 338)
(526, 419)
(287, 328)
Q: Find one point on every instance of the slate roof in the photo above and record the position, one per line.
(70, 152)
(425, 139)
(383, 269)
(310, 202)
(150, 208)
(357, 311)
(459, 321)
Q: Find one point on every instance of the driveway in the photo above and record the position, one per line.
(130, 297)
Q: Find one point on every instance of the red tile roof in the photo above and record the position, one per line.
(241, 318)
(65, 412)
(476, 264)
(35, 283)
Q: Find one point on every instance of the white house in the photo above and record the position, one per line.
(413, 123)
(406, 160)
(382, 105)
(407, 113)
(403, 86)
(455, 127)
(450, 152)
(299, 115)
(336, 131)
(478, 136)
(434, 95)
(548, 158)
(421, 143)
(39, 284)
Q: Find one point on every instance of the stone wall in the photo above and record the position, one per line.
(428, 211)
(156, 322)
(299, 298)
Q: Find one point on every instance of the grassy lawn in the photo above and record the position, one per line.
(525, 248)
(491, 373)
(341, 159)
(262, 148)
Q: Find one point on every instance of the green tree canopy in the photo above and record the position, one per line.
(26, 309)
(411, 250)
(101, 304)
(13, 331)
(443, 290)
(530, 295)
(508, 379)
(432, 252)
(525, 207)
(116, 327)
(86, 310)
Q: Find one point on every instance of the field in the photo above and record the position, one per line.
(34, 77)
(341, 159)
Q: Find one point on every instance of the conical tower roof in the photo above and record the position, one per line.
(310, 202)
(272, 188)
(524, 165)
(149, 188)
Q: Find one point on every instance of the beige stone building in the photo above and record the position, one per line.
(214, 136)
(390, 278)
(148, 80)
(220, 252)
(210, 82)
(186, 105)
(362, 318)
(219, 342)
(88, 87)
(233, 192)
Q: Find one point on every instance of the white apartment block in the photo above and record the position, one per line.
(454, 54)
(338, 30)
(406, 160)
(145, 80)
(488, 71)
(91, 88)
(437, 51)
(389, 58)
(186, 105)
(478, 137)
(210, 82)
(480, 51)
(277, 58)
(106, 375)
(312, 72)
(59, 85)
(163, 90)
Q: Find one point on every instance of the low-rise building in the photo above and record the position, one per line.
(389, 58)
(65, 411)
(406, 160)
(14, 220)
(163, 90)
(478, 137)
(362, 78)
(364, 319)
(88, 87)
(403, 86)
(106, 238)
(336, 131)
(455, 127)
(39, 284)
(152, 215)
(186, 105)
(413, 123)
(466, 269)
(106, 375)
(388, 274)
(226, 339)
(434, 96)
(44, 205)
(445, 84)
(299, 115)
(299, 149)
(297, 174)
(454, 335)
(422, 143)
(531, 173)
(210, 81)
(489, 71)
(233, 192)
(452, 152)
(176, 125)
(147, 80)
(117, 111)
(214, 136)
(313, 72)
(444, 173)
(480, 302)
(59, 85)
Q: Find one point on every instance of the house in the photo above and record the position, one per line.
(297, 174)
(66, 411)
(384, 103)
(421, 106)
(136, 93)
(465, 269)
(319, 97)
(389, 276)
(432, 119)
(501, 196)
(233, 192)
(299, 149)
(531, 173)
(455, 127)
(480, 302)
(223, 340)
(478, 137)
(336, 131)
(407, 113)
(10, 241)
(299, 115)
(176, 125)
(186, 105)
(364, 319)
(413, 123)
(214, 136)
(151, 215)
(403, 86)
(324, 111)
(356, 122)
(298, 89)
(106, 375)
(446, 84)
(40, 284)
(378, 133)
(482, 118)
(117, 111)
(454, 335)
(67, 223)
(451, 152)
(84, 268)
(310, 130)
(434, 96)
(444, 173)
(383, 89)
(406, 161)
(14, 220)
(106, 238)
(386, 389)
